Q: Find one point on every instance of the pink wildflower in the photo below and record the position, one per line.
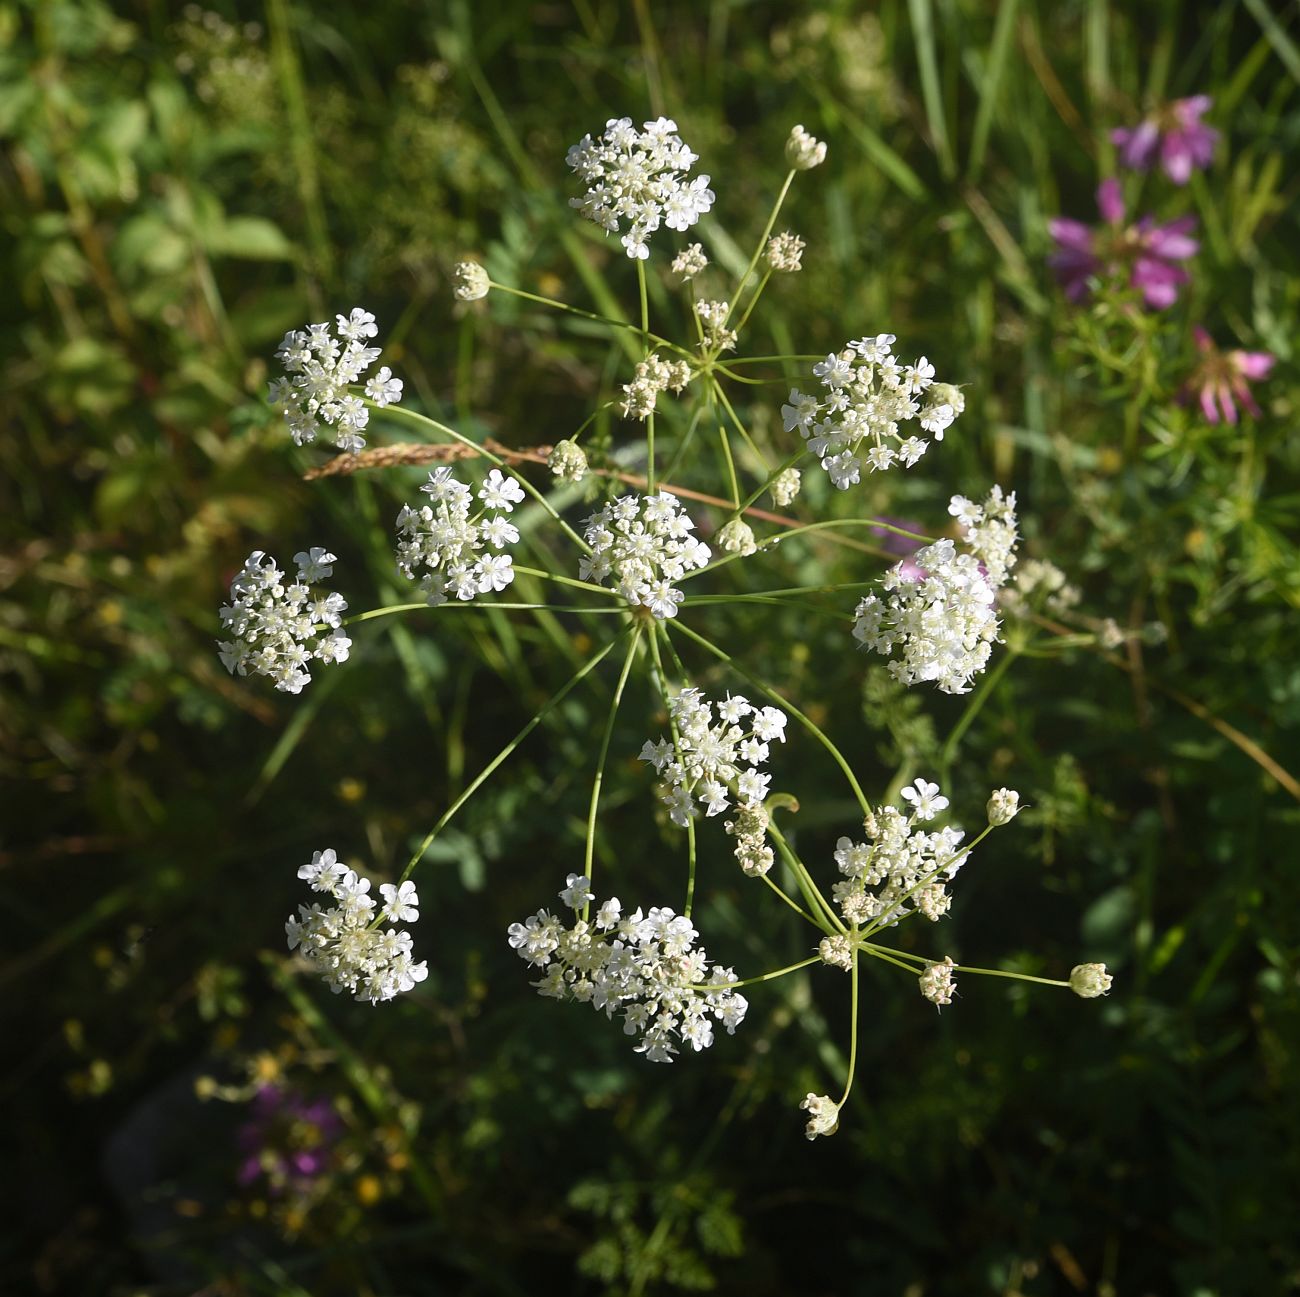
(1174, 132)
(1147, 250)
(1223, 375)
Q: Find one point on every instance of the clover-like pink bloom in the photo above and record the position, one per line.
(1147, 251)
(1175, 134)
(1222, 376)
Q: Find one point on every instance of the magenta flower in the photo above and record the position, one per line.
(1146, 251)
(288, 1140)
(1175, 133)
(1223, 375)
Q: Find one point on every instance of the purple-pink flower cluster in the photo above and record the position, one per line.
(1148, 252)
(1221, 378)
(1149, 255)
(1175, 134)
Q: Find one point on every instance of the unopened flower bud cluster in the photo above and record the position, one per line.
(442, 537)
(869, 395)
(568, 461)
(645, 967)
(653, 375)
(472, 282)
(937, 982)
(823, 1115)
(802, 151)
(713, 325)
(784, 253)
(280, 627)
(785, 486)
(645, 544)
(1088, 981)
(689, 262)
(737, 537)
(346, 944)
(939, 607)
(1041, 584)
(749, 828)
(319, 368)
(712, 761)
(638, 177)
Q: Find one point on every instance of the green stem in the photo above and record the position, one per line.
(569, 580)
(470, 603)
(762, 243)
(549, 706)
(853, 1033)
(753, 302)
(806, 885)
(642, 328)
(604, 752)
(794, 905)
(645, 302)
(977, 701)
(762, 977)
(731, 466)
(661, 681)
(740, 427)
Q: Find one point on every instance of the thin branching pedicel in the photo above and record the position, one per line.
(935, 616)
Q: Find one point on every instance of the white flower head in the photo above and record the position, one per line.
(568, 461)
(645, 544)
(870, 396)
(1003, 807)
(645, 967)
(784, 253)
(320, 368)
(712, 760)
(937, 983)
(689, 262)
(653, 375)
(441, 538)
(940, 627)
(279, 627)
(345, 945)
(639, 177)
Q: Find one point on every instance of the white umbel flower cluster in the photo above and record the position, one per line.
(653, 375)
(645, 543)
(900, 868)
(319, 368)
(645, 967)
(869, 395)
(713, 761)
(990, 531)
(281, 626)
(347, 944)
(944, 622)
(640, 177)
(442, 537)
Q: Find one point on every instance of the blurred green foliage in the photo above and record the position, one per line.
(179, 187)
